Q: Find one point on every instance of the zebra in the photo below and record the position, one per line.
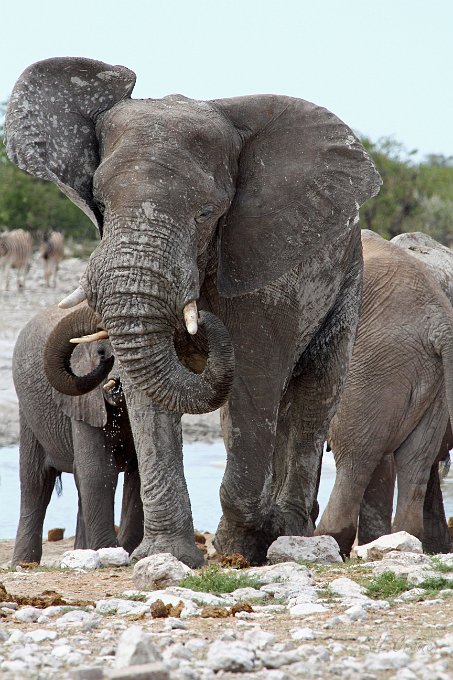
(52, 251)
(15, 251)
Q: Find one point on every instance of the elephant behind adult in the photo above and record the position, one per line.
(398, 394)
(247, 207)
(376, 507)
(86, 435)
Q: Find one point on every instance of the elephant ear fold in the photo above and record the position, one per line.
(302, 176)
(89, 408)
(51, 117)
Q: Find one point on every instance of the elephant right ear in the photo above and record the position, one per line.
(51, 118)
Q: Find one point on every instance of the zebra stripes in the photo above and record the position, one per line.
(15, 252)
(51, 251)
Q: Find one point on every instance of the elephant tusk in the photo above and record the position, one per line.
(191, 317)
(100, 335)
(73, 299)
(109, 385)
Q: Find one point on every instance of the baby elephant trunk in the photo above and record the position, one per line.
(82, 321)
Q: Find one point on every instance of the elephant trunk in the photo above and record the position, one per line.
(141, 303)
(58, 351)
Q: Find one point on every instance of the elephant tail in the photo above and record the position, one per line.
(442, 338)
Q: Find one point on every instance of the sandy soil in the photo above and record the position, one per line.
(17, 307)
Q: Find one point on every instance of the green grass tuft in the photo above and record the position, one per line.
(213, 580)
(387, 585)
(441, 566)
(436, 583)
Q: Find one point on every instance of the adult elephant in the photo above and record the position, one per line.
(246, 208)
(86, 435)
(397, 399)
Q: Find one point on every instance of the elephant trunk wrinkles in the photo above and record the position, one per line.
(142, 325)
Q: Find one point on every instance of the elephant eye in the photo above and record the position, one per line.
(205, 213)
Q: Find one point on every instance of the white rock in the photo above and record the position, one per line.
(61, 651)
(401, 541)
(159, 571)
(114, 557)
(16, 637)
(273, 659)
(173, 623)
(77, 618)
(121, 607)
(404, 674)
(54, 610)
(306, 608)
(258, 638)
(41, 634)
(20, 668)
(80, 559)
(321, 549)
(355, 613)
(27, 614)
(307, 595)
(302, 633)
(346, 587)
(230, 656)
(248, 594)
(383, 661)
(284, 572)
(135, 647)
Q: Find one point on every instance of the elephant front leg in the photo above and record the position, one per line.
(96, 477)
(131, 524)
(37, 481)
(265, 339)
(168, 525)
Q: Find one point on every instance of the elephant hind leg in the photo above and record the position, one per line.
(436, 535)
(414, 459)
(376, 509)
(37, 481)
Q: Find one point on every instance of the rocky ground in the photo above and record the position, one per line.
(285, 621)
(300, 620)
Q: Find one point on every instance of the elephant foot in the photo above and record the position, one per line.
(183, 549)
(249, 542)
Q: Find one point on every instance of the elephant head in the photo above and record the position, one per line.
(255, 179)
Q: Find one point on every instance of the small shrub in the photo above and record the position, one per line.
(387, 585)
(436, 583)
(441, 566)
(212, 580)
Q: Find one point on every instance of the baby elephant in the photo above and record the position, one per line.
(87, 435)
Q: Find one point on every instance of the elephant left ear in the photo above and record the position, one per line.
(90, 407)
(302, 176)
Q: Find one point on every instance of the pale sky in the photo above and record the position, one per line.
(384, 66)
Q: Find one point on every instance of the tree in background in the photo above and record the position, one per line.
(413, 197)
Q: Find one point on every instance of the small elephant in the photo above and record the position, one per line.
(245, 209)
(397, 400)
(86, 435)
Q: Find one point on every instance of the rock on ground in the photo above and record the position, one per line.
(320, 549)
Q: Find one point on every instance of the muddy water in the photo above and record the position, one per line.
(204, 465)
